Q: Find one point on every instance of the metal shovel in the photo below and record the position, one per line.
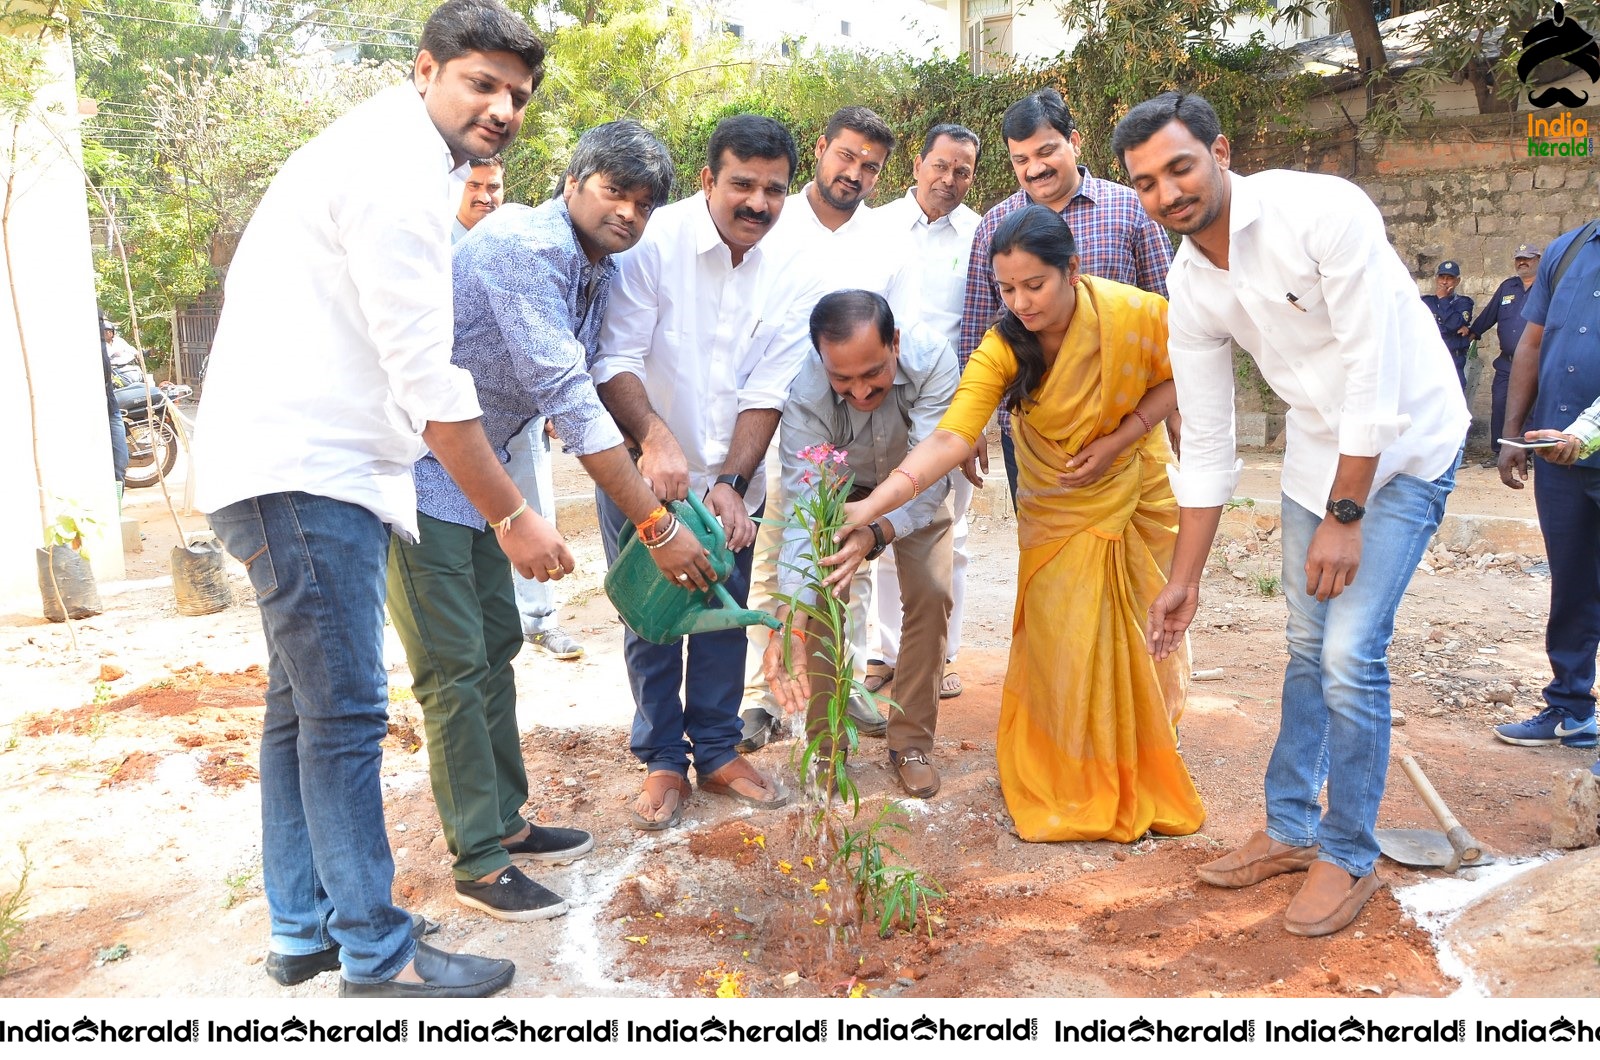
(1420, 848)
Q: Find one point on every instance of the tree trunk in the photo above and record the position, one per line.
(1370, 57)
(1479, 72)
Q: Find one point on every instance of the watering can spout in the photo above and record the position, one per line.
(661, 610)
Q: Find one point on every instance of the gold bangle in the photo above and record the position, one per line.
(505, 524)
(916, 483)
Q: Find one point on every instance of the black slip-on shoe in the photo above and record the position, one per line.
(758, 727)
(553, 846)
(511, 896)
(868, 721)
(443, 975)
(288, 969)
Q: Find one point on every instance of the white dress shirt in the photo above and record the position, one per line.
(858, 255)
(707, 338)
(939, 252)
(121, 353)
(333, 350)
(1321, 301)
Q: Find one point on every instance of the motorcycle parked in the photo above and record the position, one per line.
(152, 422)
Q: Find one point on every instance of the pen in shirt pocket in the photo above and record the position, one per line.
(759, 322)
(1295, 301)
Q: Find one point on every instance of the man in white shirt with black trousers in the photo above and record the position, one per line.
(706, 329)
(1296, 268)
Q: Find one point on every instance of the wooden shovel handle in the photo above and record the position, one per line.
(1460, 839)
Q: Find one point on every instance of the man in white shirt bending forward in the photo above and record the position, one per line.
(1296, 269)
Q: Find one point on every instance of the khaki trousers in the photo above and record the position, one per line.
(923, 560)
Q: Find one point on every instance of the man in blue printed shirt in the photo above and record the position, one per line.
(1452, 312)
(1504, 311)
(1555, 376)
(531, 287)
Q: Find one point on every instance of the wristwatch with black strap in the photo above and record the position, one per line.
(878, 542)
(1345, 510)
(738, 483)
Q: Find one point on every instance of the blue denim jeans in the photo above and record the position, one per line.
(318, 569)
(707, 711)
(529, 468)
(1568, 500)
(1335, 712)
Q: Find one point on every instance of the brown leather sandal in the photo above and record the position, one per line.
(742, 782)
(879, 674)
(660, 805)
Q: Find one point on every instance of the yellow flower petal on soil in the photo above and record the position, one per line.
(809, 862)
(642, 940)
(820, 887)
(819, 920)
(659, 916)
(785, 868)
(859, 990)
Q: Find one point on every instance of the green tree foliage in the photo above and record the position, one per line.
(1476, 42)
(218, 134)
(1134, 49)
(202, 100)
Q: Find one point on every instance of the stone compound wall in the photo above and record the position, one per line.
(1463, 189)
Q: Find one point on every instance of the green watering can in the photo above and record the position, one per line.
(661, 610)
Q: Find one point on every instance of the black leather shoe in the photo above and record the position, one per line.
(443, 975)
(759, 728)
(868, 721)
(288, 969)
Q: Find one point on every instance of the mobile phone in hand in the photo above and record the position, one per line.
(1542, 443)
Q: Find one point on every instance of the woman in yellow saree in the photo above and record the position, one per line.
(1087, 746)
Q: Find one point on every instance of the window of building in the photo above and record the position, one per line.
(733, 29)
(988, 41)
(844, 29)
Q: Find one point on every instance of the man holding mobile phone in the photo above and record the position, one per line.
(1554, 375)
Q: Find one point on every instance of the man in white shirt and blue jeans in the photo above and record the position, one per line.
(1296, 269)
(348, 283)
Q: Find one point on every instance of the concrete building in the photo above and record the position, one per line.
(992, 32)
(777, 26)
(54, 311)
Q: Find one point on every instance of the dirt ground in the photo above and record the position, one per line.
(128, 769)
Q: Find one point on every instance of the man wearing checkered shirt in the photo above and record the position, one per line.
(1116, 240)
